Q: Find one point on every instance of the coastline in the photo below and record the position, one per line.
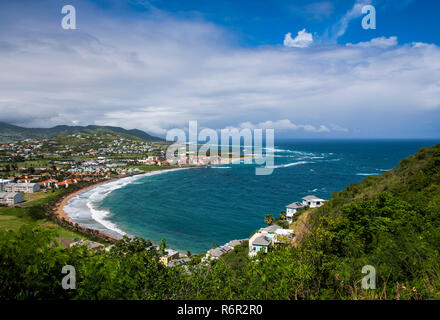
(61, 215)
(66, 221)
(58, 209)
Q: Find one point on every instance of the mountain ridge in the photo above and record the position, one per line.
(10, 132)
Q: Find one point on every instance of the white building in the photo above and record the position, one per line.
(22, 187)
(3, 183)
(312, 201)
(217, 252)
(272, 234)
(11, 198)
(292, 209)
(258, 242)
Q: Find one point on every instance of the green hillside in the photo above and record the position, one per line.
(391, 222)
(9, 132)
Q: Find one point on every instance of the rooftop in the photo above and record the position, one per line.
(296, 205)
(261, 241)
(311, 198)
(270, 229)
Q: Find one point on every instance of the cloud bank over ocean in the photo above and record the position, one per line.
(155, 71)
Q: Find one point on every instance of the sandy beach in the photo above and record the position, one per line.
(59, 207)
(61, 214)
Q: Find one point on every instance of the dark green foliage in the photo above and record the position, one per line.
(37, 212)
(391, 222)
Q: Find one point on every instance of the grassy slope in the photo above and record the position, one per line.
(12, 218)
(392, 222)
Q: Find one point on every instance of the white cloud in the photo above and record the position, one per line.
(382, 42)
(284, 124)
(422, 45)
(338, 128)
(156, 73)
(302, 40)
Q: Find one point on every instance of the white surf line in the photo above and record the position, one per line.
(99, 215)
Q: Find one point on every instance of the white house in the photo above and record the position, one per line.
(312, 201)
(291, 209)
(25, 187)
(217, 252)
(258, 242)
(3, 183)
(11, 198)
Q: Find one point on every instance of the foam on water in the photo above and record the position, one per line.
(290, 164)
(82, 208)
(194, 208)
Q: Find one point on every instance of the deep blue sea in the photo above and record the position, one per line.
(192, 208)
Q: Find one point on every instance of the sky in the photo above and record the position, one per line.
(306, 68)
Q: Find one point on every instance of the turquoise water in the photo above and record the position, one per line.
(193, 208)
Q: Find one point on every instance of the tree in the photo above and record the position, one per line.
(283, 215)
(163, 246)
(268, 219)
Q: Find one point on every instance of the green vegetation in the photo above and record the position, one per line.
(10, 132)
(391, 222)
(35, 213)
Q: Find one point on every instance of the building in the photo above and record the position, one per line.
(3, 183)
(170, 255)
(11, 198)
(312, 201)
(22, 187)
(292, 209)
(272, 234)
(178, 262)
(258, 242)
(269, 231)
(217, 252)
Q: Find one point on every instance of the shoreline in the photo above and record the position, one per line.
(61, 215)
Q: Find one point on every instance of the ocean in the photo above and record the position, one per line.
(195, 207)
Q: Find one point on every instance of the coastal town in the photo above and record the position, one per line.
(34, 165)
(33, 168)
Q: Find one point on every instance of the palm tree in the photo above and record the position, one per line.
(268, 219)
(283, 215)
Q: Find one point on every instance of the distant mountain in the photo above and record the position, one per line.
(9, 132)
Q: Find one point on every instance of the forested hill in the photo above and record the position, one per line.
(390, 222)
(9, 132)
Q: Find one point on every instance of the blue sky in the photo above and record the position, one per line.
(306, 68)
(257, 23)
